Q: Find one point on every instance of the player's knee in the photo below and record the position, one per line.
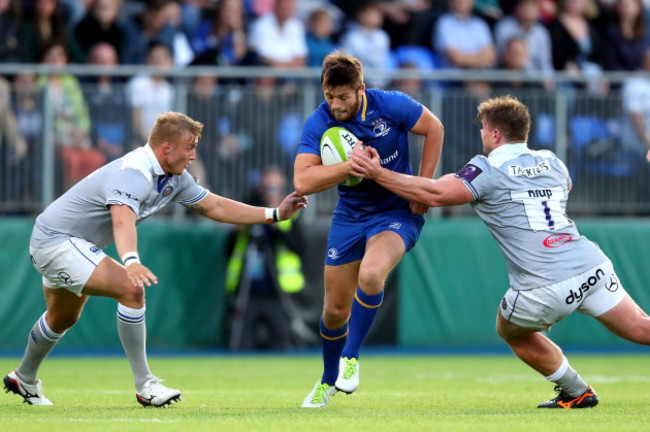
(60, 322)
(371, 280)
(134, 297)
(334, 313)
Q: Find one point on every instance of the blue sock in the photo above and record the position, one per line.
(333, 343)
(364, 309)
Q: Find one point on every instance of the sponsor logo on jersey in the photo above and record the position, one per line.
(168, 190)
(469, 172)
(126, 194)
(613, 283)
(390, 158)
(517, 171)
(540, 193)
(557, 240)
(333, 254)
(380, 128)
(395, 226)
(578, 295)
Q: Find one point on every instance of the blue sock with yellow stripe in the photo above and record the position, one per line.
(333, 343)
(364, 310)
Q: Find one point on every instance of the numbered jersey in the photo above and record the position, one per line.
(521, 196)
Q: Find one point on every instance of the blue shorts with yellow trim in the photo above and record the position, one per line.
(349, 233)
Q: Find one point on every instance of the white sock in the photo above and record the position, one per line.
(568, 379)
(40, 342)
(133, 334)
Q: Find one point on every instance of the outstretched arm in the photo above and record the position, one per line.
(429, 126)
(226, 210)
(448, 190)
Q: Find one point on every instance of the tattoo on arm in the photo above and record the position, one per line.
(197, 208)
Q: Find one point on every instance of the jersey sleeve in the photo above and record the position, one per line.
(403, 108)
(315, 127)
(189, 191)
(127, 187)
(476, 176)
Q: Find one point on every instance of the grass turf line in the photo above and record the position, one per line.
(414, 393)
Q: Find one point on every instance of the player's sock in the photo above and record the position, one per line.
(133, 334)
(333, 342)
(568, 379)
(40, 342)
(364, 310)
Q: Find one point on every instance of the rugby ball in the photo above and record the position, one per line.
(335, 147)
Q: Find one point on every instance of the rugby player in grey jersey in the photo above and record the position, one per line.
(521, 196)
(68, 238)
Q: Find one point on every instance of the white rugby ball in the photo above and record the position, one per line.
(335, 147)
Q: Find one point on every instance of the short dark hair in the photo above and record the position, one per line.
(341, 69)
(507, 114)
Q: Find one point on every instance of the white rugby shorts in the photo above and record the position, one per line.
(593, 293)
(67, 265)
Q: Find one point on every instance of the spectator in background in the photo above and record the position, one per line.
(151, 26)
(366, 40)
(10, 12)
(574, 38)
(623, 36)
(636, 106)
(108, 105)
(46, 27)
(278, 38)
(71, 121)
(525, 22)
(320, 40)
(100, 24)
(222, 39)
(150, 95)
(463, 40)
(182, 51)
(263, 272)
(13, 149)
(29, 116)
(222, 144)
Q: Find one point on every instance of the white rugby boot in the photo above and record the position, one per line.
(31, 393)
(348, 379)
(155, 394)
(319, 396)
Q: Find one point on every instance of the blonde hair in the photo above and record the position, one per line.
(172, 126)
(508, 115)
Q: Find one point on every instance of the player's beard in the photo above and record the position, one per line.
(350, 113)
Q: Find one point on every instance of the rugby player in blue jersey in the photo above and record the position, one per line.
(372, 228)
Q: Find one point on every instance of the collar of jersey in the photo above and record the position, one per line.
(157, 169)
(506, 152)
(361, 115)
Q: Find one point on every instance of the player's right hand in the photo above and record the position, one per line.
(140, 275)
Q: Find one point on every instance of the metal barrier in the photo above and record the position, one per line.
(253, 118)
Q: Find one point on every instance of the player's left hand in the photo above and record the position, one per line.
(647, 156)
(418, 208)
(291, 204)
(365, 162)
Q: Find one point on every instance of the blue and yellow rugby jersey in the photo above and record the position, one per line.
(382, 122)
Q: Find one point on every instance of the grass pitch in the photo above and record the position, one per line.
(263, 393)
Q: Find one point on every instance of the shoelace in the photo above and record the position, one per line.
(350, 368)
(319, 394)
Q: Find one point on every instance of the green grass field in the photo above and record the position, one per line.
(259, 393)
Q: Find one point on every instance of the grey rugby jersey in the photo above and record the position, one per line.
(136, 180)
(521, 196)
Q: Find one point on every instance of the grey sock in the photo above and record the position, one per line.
(133, 334)
(40, 342)
(572, 383)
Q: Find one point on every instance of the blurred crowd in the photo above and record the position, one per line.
(568, 35)
(97, 119)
